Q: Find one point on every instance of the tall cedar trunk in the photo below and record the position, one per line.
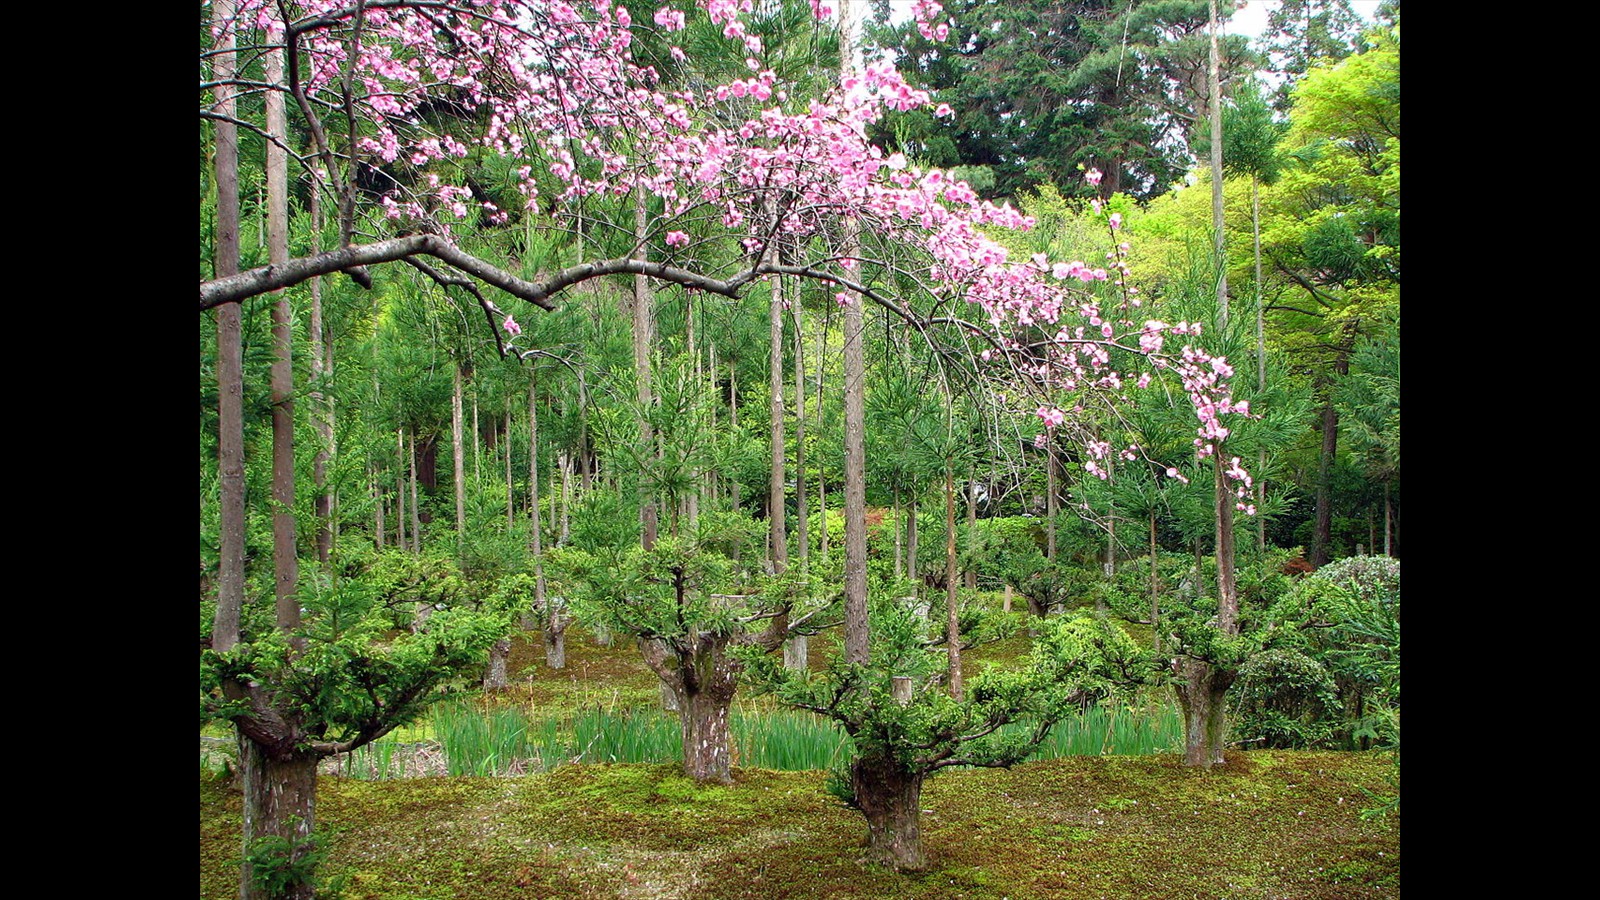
(856, 647)
(322, 404)
(1261, 362)
(1388, 522)
(911, 539)
(899, 532)
(1155, 588)
(801, 502)
(952, 627)
(230, 361)
(458, 455)
(855, 488)
(971, 575)
(285, 558)
(778, 537)
(890, 799)
(1202, 692)
(1322, 530)
(644, 322)
(822, 481)
(400, 495)
(1227, 583)
(691, 500)
(1051, 504)
(379, 502)
(416, 507)
(280, 799)
(511, 489)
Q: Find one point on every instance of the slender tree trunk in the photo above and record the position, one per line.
(911, 540)
(952, 629)
(1388, 523)
(1155, 587)
(321, 403)
(285, 555)
(891, 801)
(1261, 363)
(856, 645)
(778, 537)
(379, 502)
(416, 507)
(400, 495)
(822, 480)
(230, 360)
(803, 524)
(1322, 529)
(458, 456)
(511, 488)
(971, 575)
(644, 324)
(691, 500)
(1227, 589)
(1052, 503)
(899, 531)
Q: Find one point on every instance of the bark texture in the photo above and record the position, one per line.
(890, 799)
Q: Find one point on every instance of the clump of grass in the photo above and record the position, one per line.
(1115, 730)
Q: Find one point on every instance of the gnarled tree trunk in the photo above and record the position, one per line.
(1202, 693)
(891, 800)
(280, 798)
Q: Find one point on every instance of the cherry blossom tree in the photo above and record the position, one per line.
(395, 105)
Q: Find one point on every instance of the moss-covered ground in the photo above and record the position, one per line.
(1275, 825)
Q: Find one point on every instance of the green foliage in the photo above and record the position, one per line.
(1285, 699)
(351, 680)
(278, 865)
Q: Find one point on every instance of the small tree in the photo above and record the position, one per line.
(690, 601)
(904, 728)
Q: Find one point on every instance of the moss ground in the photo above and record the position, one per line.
(1283, 825)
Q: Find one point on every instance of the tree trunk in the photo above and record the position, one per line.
(971, 575)
(555, 632)
(1322, 530)
(322, 404)
(1051, 504)
(458, 455)
(856, 648)
(1261, 363)
(416, 508)
(952, 628)
(644, 323)
(1155, 587)
(285, 553)
(280, 797)
(230, 359)
(706, 736)
(801, 511)
(499, 653)
(400, 495)
(778, 538)
(1227, 584)
(1202, 693)
(891, 801)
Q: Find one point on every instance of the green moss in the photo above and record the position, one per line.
(1275, 824)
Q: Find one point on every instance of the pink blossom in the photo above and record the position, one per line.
(511, 326)
(1052, 416)
(677, 239)
(943, 110)
(1116, 220)
(1092, 176)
